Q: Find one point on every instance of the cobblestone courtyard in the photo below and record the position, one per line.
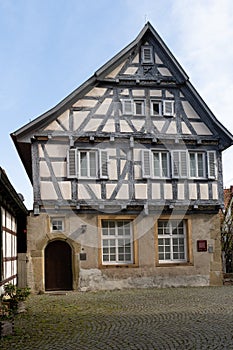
(150, 319)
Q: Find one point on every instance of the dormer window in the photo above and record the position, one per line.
(147, 55)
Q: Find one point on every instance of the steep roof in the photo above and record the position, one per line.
(22, 137)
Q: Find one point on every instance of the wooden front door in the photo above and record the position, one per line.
(58, 266)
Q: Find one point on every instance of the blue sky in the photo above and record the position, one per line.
(49, 48)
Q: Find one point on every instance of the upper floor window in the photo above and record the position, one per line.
(147, 54)
(184, 164)
(155, 164)
(87, 164)
(133, 107)
(156, 107)
(197, 164)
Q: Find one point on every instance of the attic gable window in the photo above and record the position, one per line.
(156, 108)
(133, 107)
(87, 164)
(168, 108)
(147, 54)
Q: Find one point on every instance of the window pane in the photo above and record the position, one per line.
(139, 110)
(83, 163)
(92, 160)
(155, 108)
(156, 164)
(200, 162)
(164, 164)
(192, 165)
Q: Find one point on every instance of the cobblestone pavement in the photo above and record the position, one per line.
(150, 319)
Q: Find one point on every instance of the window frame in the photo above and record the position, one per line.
(61, 219)
(187, 242)
(144, 59)
(196, 154)
(133, 242)
(182, 164)
(152, 102)
(172, 103)
(142, 103)
(74, 163)
(161, 173)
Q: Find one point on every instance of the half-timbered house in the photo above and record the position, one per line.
(12, 235)
(127, 179)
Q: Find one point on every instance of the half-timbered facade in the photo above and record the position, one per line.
(12, 234)
(127, 178)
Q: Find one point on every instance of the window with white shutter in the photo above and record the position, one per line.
(179, 164)
(212, 164)
(84, 164)
(146, 163)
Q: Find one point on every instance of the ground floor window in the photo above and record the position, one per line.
(172, 241)
(117, 246)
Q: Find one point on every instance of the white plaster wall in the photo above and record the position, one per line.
(103, 108)
(201, 129)
(78, 118)
(85, 103)
(189, 111)
(114, 73)
(168, 191)
(204, 192)
(131, 70)
(65, 187)
(141, 191)
(47, 190)
(192, 191)
(96, 92)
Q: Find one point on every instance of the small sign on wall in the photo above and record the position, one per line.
(202, 245)
(83, 256)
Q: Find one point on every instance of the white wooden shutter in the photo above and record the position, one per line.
(147, 54)
(175, 164)
(146, 163)
(72, 164)
(179, 164)
(212, 166)
(127, 106)
(168, 108)
(103, 164)
(183, 164)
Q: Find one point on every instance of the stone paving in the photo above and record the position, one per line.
(150, 319)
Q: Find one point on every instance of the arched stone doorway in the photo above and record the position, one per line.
(58, 266)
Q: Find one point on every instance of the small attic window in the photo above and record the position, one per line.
(147, 55)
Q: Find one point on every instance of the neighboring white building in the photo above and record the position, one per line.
(12, 234)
